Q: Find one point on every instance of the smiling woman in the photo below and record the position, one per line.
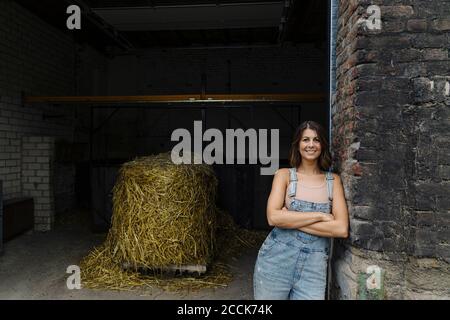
(306, 207)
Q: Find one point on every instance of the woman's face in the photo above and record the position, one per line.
(310, 147)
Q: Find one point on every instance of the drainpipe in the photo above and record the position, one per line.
(332, 32)
(333, 6)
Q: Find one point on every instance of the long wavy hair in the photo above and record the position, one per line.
(295, 159)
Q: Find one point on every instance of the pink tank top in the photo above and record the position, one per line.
(312, 193)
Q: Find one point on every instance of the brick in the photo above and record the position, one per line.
(35, 152)
(48, 140)
(396, 11)
(443, 235)
(444, 172)
(417, 25)
(443, 202)
(29, 160)
(423, 250)
(28, 186)
(422, 90)
(435, 54)
(45, 201)
(394, 26)
(365, 235)
(4, 156)
(443, 251)
(35, 179)
(441, 24)
(43, 146)
(43, 187)
(47, 194)
(364, 212)
(42, 160)
(34, 139)
(42, 173)
(426, 40)
(29, 173)
(426, 219)
(12, 163)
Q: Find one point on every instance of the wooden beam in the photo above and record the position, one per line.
(190, 98)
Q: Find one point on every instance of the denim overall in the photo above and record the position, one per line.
(292, 264)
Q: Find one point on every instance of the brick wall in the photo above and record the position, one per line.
(35, 59)
(37, 178)
(390, 141)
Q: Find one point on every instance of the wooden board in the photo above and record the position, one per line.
(18, 217)
(291, 97)
(197, 268)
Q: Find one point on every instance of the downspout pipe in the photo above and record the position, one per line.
(333, 6)
(332, 35)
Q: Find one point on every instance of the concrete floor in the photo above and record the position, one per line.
(33, 266)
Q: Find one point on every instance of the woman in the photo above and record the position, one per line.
(306, 207)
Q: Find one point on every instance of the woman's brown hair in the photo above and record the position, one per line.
(294, 154)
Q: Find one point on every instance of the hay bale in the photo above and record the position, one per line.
(159, 220)
(163, 214)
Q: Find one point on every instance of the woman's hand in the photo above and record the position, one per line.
(337, 227)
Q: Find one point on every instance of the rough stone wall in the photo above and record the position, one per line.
(391, 127)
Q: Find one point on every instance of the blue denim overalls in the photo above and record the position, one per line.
(292, 264)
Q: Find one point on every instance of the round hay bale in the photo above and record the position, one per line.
(163, 214)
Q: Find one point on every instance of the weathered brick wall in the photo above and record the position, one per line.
(391, 127)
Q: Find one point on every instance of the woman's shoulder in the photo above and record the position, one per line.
(282, 174)
(336, 177)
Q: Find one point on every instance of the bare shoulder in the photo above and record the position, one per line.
(282, 174)
(336, 177)
(337, 180)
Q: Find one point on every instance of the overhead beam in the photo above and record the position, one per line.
(192, 98)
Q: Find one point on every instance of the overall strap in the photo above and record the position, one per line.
(330, 178)
(292, 188)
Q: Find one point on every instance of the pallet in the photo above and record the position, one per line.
(189, 268)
